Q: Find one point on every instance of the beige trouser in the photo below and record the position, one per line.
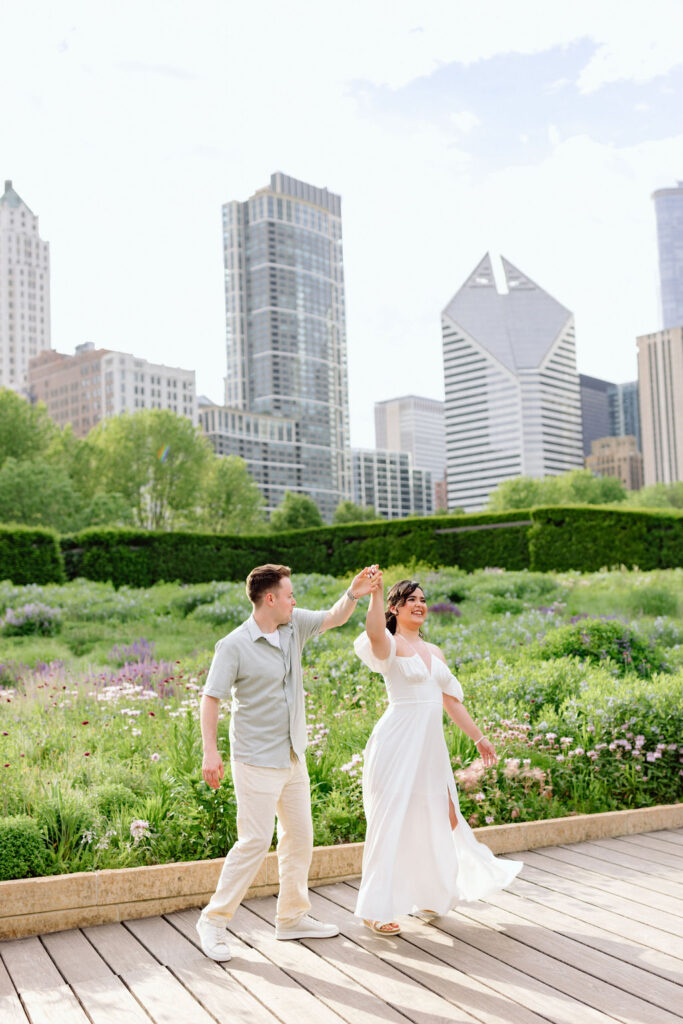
(263, 793)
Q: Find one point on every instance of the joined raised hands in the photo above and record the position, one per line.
(366, 581)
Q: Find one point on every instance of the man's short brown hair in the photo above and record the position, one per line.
(265, 578)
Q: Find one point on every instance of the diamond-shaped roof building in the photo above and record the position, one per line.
(518, 326)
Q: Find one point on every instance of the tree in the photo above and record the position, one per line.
(231, 502)
(581, 487)
(297, 512)
(156, 461)
(34, 493)
(657, 496)
(520, 492)
(25, 430)
(577, 486)
(349, 512)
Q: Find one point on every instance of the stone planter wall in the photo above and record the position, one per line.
(33, 906)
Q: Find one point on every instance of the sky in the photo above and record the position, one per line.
(534, 129)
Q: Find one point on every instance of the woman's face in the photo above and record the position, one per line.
(412, 612)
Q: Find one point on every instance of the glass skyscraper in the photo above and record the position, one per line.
(286, 330)
(624, 411)
(669, 213)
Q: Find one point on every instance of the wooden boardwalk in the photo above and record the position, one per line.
(589, 933)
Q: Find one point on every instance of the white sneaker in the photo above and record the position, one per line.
(306, 928)
(214, 941)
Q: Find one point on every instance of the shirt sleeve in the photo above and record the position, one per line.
(363, 649)
(223, 669)
(307, 623)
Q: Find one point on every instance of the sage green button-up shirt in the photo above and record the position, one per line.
(267, 689)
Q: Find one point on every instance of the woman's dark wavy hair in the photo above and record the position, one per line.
(398, 595)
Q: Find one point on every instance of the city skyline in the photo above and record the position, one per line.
(146, 134)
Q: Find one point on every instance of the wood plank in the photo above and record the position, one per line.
(102, 994)
(659, 882)
(669, 836)
(669, 897)
(611, 913)
(654, 849)
(656, 961)
(341, 992)
(11, 1010)
(154, 987)
(444, 945)
(637, 975)
(652, 867)
(357, 958)
(618, 897)
(212, 987)
(272, 987)
(45, 996)
(601, 981)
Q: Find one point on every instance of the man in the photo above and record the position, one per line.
(259, 663)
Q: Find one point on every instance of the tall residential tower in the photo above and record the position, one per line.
(669, 212)
(513, 405)
(24, 290)
(286, 331)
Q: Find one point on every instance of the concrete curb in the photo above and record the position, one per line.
(33, 906)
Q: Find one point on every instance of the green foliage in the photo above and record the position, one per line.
(296, 512)
(25, 430)
(589, 538)
(657, 496)
(653, 600)
(578, 486)
(112, 797)
(597, 640)
(38, 494)
(34, 619)
(155, 460)
(30, 556)
(231, 501)
(103, 751)
(22, 851)
(349, 512)
(140, 558)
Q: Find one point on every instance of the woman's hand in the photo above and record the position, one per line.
(364, 582)
(487, 752)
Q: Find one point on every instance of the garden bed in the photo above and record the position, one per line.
(576, 678)
(35, 906)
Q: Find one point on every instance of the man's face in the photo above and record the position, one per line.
(283, 601)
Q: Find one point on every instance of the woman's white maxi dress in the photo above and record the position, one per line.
(413, 860)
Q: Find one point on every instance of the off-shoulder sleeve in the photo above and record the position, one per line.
(363, 649)
(448, 683)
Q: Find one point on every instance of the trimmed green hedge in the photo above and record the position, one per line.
(141, 558)
(30, 555)
(588, 537)
(584, 537)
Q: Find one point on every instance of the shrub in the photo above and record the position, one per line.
(34, 619)
(29, 555)
(653, 601)
(22, 851)
(597, 640)
(112, 797)
(589, 537)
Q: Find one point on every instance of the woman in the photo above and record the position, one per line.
(420, 854)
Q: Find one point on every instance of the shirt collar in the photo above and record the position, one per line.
(255, 631)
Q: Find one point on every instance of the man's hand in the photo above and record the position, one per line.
(363, 583)
(212, 769)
